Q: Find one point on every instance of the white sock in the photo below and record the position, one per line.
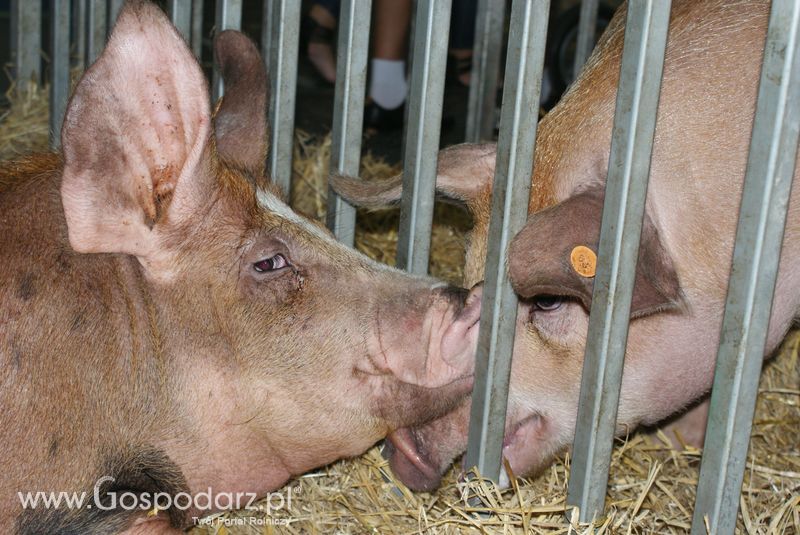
(388, 86)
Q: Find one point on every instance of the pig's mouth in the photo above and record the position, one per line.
(410, 461)
(520, 444)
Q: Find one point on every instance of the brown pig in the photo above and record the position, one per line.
(168, 325)
(705, 118)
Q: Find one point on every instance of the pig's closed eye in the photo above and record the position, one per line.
(273, 263)
(547, 303)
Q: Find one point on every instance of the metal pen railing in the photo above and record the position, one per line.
(510, 194)
(770, 169)
(620, 230)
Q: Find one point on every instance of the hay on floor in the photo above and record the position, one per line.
(651, 486)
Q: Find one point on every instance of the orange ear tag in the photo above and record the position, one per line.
(583, 261)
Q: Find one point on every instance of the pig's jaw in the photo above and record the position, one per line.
(419, 457)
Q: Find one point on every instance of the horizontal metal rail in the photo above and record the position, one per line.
(510, 195)
(623, 211)
(756, 255)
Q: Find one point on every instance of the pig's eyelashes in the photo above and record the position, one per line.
(273, 263)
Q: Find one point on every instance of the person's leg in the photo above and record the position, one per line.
(462, 37)
(388, 85)
(323, 15)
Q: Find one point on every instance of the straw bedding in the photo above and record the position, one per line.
(651, 487)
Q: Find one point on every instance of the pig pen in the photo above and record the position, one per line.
(651, 487)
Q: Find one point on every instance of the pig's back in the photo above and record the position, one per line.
(65, 335)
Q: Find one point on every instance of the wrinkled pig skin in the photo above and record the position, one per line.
(705, 118)
(166, 320)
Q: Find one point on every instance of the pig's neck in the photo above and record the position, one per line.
(213, 432)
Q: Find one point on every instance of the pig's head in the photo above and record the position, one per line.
(268, 331)
(555, 293)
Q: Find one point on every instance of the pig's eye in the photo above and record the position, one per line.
(273, 263)
(547, 303)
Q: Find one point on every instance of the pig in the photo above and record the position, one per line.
(705, 117)
(169, 325)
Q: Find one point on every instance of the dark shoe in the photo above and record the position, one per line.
(378, 118)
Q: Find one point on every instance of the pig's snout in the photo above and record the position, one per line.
(461, 337)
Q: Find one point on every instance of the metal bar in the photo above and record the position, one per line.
(59, 56)
(78, 37)
(510, 195)
(26, 39)
(348, 110)
(228, 17)
(485, 70)
(95, 29)
(180, 13)
(756, 255)
(587, 24)
(424, 121)
(266, 30)
(114, 7)
(197, 27)
(283, 78)
(626, 190)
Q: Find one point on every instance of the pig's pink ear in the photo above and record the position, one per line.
(240, 123)
(543, 259)
(135, 137)
(462, 173)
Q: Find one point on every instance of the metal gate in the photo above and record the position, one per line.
(759, 234)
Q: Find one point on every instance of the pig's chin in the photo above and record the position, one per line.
(410, 462)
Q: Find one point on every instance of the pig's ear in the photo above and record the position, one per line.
(462, 172)
(240, 123)
(549, 256)
(135, 137)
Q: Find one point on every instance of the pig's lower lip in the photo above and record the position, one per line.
(516, 429)
(409, 462)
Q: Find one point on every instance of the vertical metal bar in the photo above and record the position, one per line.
(113, 11)
(180, 13)
(431, 30)
(620, 231)
(348, 110)
(756, 255)
(587, 24)
(228, 17)
(197, 27)
(95, 29)
(485, 70)
(79, 30)
(26, 39)
(511, 192)
(266, 30)
(283, 78)
(59, 56)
